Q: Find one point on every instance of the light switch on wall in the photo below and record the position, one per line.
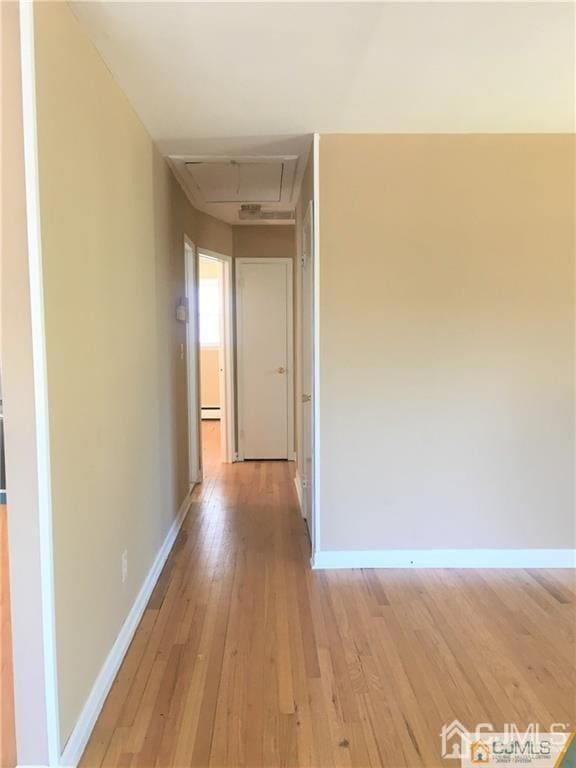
(124, 565)
(182, 311)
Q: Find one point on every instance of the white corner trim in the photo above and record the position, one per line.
(298, 484)
(445, 558)
(291, 455)
(316, 320)
(33, 227)
(82, 730)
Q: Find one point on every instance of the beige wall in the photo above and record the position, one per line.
(264, 241)
(213, 234)
(447, 341)
(113, 222)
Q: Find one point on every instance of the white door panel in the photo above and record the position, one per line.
(264, 305)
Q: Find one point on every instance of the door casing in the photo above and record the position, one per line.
(307, 404)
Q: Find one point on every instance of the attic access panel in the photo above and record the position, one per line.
(238, 181)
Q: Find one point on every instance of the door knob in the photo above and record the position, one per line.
(280, 370)
(306, 398)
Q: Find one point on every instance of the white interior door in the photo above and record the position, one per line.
(264, 327)
(307, 309)
(226, 366)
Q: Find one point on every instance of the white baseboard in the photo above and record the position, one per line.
(298, 484)
(446, 558)
(82, 730)
(210, 414)
(291, 455)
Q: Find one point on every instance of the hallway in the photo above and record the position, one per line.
(211, 460)
(245, 657)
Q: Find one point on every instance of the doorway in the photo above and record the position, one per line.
(216, 361)
(265, 358)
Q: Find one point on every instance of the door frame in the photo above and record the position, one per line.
(307, 272)
(192, 362)
(227, 379)
(315, 535)
(290, 452)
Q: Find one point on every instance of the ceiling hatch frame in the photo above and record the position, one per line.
(236, 185)
(279, 197)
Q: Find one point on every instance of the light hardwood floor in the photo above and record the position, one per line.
(245, 657)
(7, 745)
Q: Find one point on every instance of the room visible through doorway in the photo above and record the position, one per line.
(214, 310)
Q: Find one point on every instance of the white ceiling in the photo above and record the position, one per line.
(258, 78)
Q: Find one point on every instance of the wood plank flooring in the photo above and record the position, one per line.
(245, 657)
(7, 745)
